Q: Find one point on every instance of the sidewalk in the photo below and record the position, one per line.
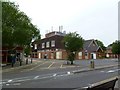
(9, 67)
(83, 66)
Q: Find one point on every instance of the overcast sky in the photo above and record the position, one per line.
(92, 19)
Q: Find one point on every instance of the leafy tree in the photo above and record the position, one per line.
(73, 43)
(100, 43)
(116, 48)
(17, 29)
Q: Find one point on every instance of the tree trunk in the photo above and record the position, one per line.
(72, 62)
(119, 57)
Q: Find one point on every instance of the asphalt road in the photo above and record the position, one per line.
(61, 80)
(55, 74)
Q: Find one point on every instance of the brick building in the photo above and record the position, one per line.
(5, 53)
(109, 53)
(53, 48)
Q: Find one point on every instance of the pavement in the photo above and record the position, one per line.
(84, 68)
(8, 67)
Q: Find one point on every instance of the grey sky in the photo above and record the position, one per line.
(92, 19)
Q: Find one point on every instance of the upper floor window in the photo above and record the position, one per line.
(53, 43)
(48, 44)
(35, 47)
(43, 45)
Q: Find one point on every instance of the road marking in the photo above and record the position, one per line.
(17, 84)
(54, 75)
(10, 80)
(7, 84)
(111, 71)
(51, 64)
(102, 71)
(83, 87)
(36, 77)
(61, 66)
(37, 66)
(68, 72)
(22, 80)
(62, 75)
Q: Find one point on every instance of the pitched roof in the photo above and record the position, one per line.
(87, 46)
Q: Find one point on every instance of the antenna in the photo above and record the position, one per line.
(52, 28)
(59, 28)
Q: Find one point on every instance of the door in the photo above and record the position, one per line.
(59, 55)
(93, 55)
(39, 55)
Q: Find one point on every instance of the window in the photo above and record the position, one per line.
(80, 54)
(86, 54)
(48, 44)
(43, 45)
(35, 47)
(53, 43)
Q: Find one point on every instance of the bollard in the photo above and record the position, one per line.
(27, 61)
(12, 64)
(31, 60)
(92, 64)
(20, 63)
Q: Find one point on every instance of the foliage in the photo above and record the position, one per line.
(116, 47)
(17, 29)
(100, 43)
(27, 50)
(73, 43)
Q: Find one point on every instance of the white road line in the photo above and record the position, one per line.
(54, 75)
(62, 75)
(61, 66)
(17, 84)
(37, 66)
(51, 64)
(102, 71)
(111, 71)
(10, 80)
(22, 80)
(36, 77)
(68, 72)
(7, 84)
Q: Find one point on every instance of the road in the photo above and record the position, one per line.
(54, 74)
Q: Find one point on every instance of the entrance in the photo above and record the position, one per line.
(93, 55)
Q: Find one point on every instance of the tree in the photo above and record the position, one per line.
(100, 43)
(73, 43)
(116, 48)
(17, 29)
